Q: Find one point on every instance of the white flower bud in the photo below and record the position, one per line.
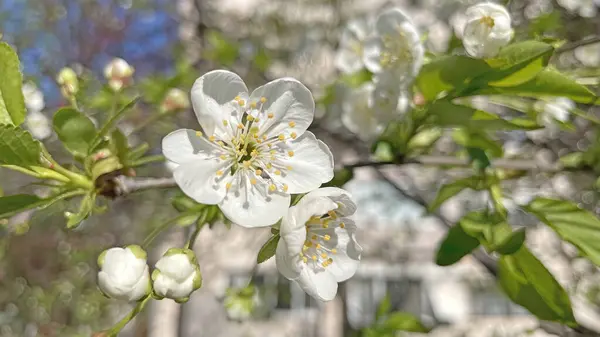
(69, 84)
(177, 275)
(176, 99)
(124, 273)
(488, 29)
(118, 73)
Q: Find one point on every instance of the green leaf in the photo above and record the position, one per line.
(17, 147)
(75, 130)
(425, 139)
(449, 73)
(340, 177)
(108, 126)
(13, 204)
(528, 283)
(573, 160)
(12, 103)
(183, 203)
(447, 114)
(573, 224)
(403, 321)
(519, 62)
(548, 82)
(119, 145)
(268, 249)
(85, 209)
(447, 191)
(455, 246)
(105, 166)
(384, 307)
(513, 243)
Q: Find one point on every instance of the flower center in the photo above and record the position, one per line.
(318, 247)
(247, 146)
(488, 21)
(397, 50)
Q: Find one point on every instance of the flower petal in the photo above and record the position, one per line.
(342, 198)
(311, 164)
(142, 287)
(184, 146)
(285, 261)
(358, 114)
(346, 260)
(319, 284)
(199, 180)
(290, 102)
(177, 267)
(372, 54)
(253, 205)
(213, 99)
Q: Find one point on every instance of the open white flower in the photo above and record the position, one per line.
(488, 29)
(589, 55)
(124, 273)
(177, 275)
(318, 248)
(118, 73)
(369, 108)
(253, 151)
(349, 57)
(38, 125)
(395, 47)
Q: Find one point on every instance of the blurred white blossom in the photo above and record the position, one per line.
(487, 30)
(584, 8)
(589, 55)
(557, 109)
(349, 57)
(38, 125)
(118, 73)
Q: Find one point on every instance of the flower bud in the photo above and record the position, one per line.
(124, 273)
(69, 84)
(118, 73)
(176, 99)
(240, 304)
(177, 275)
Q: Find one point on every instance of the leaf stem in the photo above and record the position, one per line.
(75, 178)
(123, 322)
(147, 160)
(161, 228)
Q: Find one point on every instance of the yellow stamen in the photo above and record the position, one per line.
(263, 99)
(198, 134)
(277, 172)
(269, 166)
(240, 126)
(285, 188)
(289, 168)
(327, 237)
(342, 225)
(253, 181)
(223, 157)
(253, 105)
(292, 124)
(270, 115)
(332, 214)
(281, 137)
(219, 173)
(225, 123)
(334, 251)
(323, 255)
(272, 188)
(246, 164)
(241, 102)
(291, 153)
(293, 135)
(314, 258)
(227, 186)
(258, 172)
(212, 138)
(250, 118)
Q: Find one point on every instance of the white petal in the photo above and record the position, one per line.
(319, 284)
(184, 146)
(162, 285)
(212, 98)
(372, 54)
(312, 164)
(343, 199)
(177, 267)
(285, 262)
(253, 205)
(183, 289)
(199, 180)
(110, 288)
(348, 61)
(141, 288)
(289, 101)
(346, 261)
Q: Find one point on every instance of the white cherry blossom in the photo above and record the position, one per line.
(589, 55)
(487, 30)
(124, 273)
(557, 109)
(349, 57)
(253, 150)
(318, 248)
(34, 98)
(395, 48)
(38, 125)
(368, 109)
(177, 275)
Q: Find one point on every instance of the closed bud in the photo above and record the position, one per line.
(69, 84)
(118, 73)
(177, 275)
(124, 273)
(176, 99)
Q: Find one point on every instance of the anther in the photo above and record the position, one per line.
(270, 115)
(253, 105)
(292, 124)
(198, 134)
(240, 126)
(285, 188)
(212, 138)
(342, 225)
(227, 186)
(250, 118)
(277, 172)
(332, 214)
(272, 188)
(258, 172)
(219, 173)
(246, 164)
(241, 102)
(290, 153)
(314, 258)
(281, 137)
(253, 181)
(293, 135)
(225, 123)
(326, 237)
(263, 99)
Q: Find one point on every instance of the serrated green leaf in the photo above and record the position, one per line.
(403, 321)
(75, 130)
(573, 224)
(12, 103)
(447, 191)
(548, 82)
(267, 251)
(528, 283)
(449, 73)
(17, 147)
(455, 246)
